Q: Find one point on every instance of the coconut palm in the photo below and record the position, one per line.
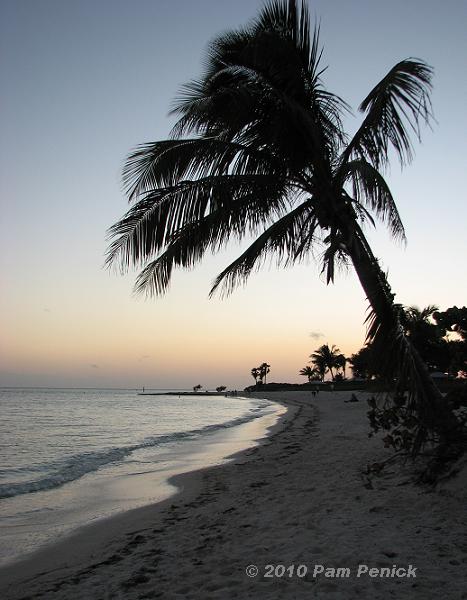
(341, 362)
(259, 150)
(311, 373)
(320, 365)
(263, 369)
(427, 336)
(255, 374)
(327, 357)
(414, 318)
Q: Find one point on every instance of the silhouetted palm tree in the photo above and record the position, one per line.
(311, 373)
(259, 150)
(413, 318)
(319, 361)
(341, 362)
(264, 369)
(327, 357)
(255, 374)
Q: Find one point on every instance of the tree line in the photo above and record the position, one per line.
(429, 331)
(260, 373)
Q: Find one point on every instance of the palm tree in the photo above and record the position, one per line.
(326, 357)
(427, 336)
(341, 362)
(320, 365)
(264, 369)
(311, 373)
(255, 374)
(259, 150)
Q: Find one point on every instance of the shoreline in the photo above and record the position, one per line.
(92, 540)
(301, 497)
(32, 521)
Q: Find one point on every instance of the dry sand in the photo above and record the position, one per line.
(300, 498)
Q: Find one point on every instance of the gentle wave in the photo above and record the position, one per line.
(76, 466)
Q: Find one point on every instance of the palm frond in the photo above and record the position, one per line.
(251, 109)
(260, 204)
(335, 254)
(283, 239)
(240, 203)
(167, 163)
(264, 84)
(396, 105)
(370, 188)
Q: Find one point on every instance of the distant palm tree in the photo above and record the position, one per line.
(264, 369)
(320, 365)
(326, 357)
(255, 374)
(413, 318)
(259, 150)
(340, 363)
(311, 373)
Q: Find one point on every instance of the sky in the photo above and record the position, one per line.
(83, 82)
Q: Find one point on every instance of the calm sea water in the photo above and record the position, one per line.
(68, 456)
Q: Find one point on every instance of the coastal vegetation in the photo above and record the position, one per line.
(311, 373)
(440, 338)
(260, 373)
(259, 150)
(327, 358)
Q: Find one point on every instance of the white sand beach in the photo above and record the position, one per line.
(302, 497)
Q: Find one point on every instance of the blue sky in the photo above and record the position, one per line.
(84, 82)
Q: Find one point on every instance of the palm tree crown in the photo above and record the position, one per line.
(259, 150)
(326, 358)
(311, 373)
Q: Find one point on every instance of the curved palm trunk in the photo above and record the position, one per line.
(402, 362)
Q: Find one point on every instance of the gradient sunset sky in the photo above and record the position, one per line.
(83, 82)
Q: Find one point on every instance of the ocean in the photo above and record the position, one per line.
(71, 456)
